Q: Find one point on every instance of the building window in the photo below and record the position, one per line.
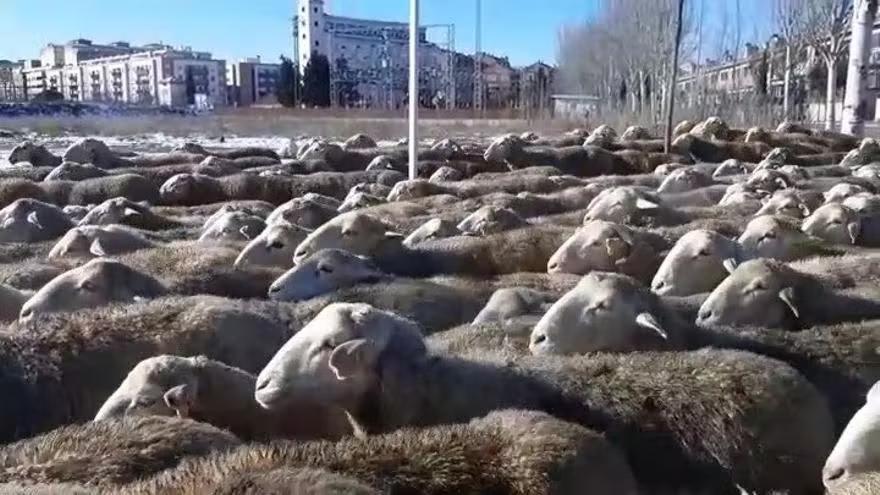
(316, 10)
(316, 23)
(317, 43)
(304, 35)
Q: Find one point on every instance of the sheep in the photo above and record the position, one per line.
(584, 161)
(273, 247)
(840, 192)
(520, 250)
(93, 191)
(97, 241)
(192, 267)
(508, 451)
(718, 151)
(126, 212)
(446, 174)
(619, 205)
(110, 453)
(779, 237)
(600, 309)
(834, 223)
(436, 228)
(230, 154)
(96, 152)
(30, 220)
(511, 302)
(233, 226)
(306, 213)
(785, 202)
(359, 200)
(11, 301)
(865, 204)
(683, 127)
(74, 171)
(767, 293)
(490, 220)
(695, 264)
(359, 141)
(682, 180)
(60, 368)
(364, 360)
(712, 128)
(324, 271)
(606, 246)
(96, 283)
(372, 189)
(212, 392)
(356, 232)
(33, 153)
(855, 452)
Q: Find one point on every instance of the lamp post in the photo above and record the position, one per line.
(413, 86)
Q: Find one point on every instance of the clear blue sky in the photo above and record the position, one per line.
(524, 30)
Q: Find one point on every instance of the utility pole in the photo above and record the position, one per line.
(478, 63)
(413, 87)
(787, 83)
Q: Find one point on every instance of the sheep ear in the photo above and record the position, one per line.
(853, 229)
(805, 210)
(352, 358)
(181, 398)
(130, 212)
(97, 249)
(33, 219)
(729, 265)
(243, 231)
(644, 204)
(6, 223)
(781, 183)
(647, 320)
(787, 296)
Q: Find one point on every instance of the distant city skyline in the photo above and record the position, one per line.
(522, 30)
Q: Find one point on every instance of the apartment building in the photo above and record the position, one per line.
(252, 81)
(153, 74)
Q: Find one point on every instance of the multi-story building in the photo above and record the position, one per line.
(252, 81)
(369, 59)
(153, 74)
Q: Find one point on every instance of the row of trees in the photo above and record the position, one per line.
(624, 53)
(312, 89)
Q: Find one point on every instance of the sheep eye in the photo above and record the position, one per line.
(325, 268)
(770, 235)
(87, 286)
(603, 305)
(144, 402)
(759, 286)
(835, 222)
(276, 245)
(703, 252)
(349, 233)
(328, 345)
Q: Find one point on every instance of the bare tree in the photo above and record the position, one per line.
(854, 104)
(674, 74)
(824, 25)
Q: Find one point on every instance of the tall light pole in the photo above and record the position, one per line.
(478, 62)
(413, 86)
(787, 83)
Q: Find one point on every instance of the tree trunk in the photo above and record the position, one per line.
(855, 106)
(830, 85)
(643, 90)
(673, 74)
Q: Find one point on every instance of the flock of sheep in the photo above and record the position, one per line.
(581, 313)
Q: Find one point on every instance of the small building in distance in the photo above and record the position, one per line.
(574, 107)
(11, 82)
(153, 74)
(252, 82)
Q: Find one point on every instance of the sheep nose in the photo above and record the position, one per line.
(835, 474)
(274, 289)
(26, 314)
(553, 266)
(263, 382)
(538, 339)
(659, 285)
(704, 315)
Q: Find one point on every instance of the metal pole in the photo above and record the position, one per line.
(478, 63)
(413, 86)
(787, 80)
